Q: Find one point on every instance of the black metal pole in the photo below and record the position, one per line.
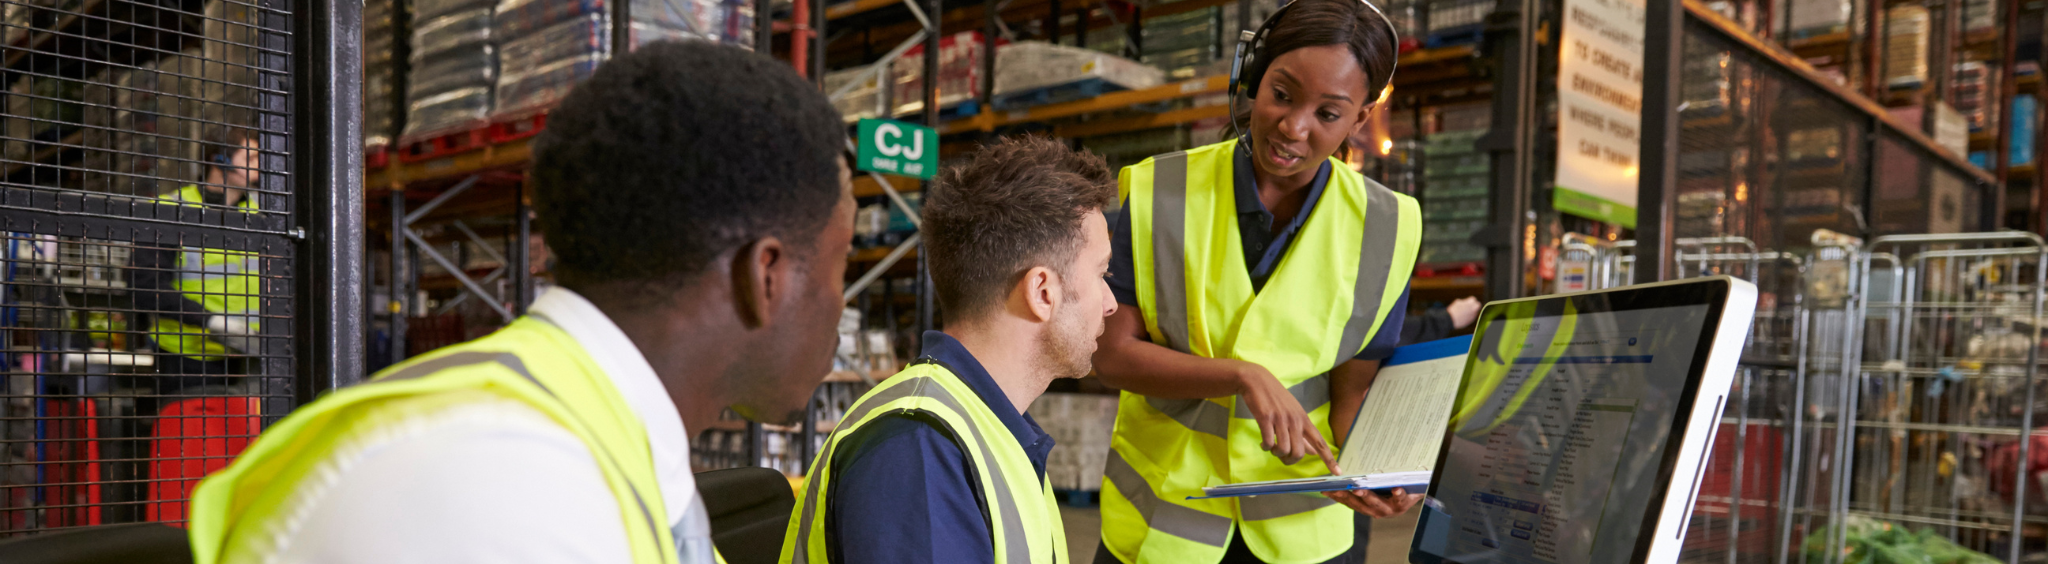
(1510, 41)
(1083, 19)
(1656, 188)
(328, 164)
(990, 29)
(808, 435)
(522, 254)
(817, 43)
(397, 288)
(622, 27)
(754, 443)
(1135, 31)
(934, 9)
(1052, 23)
(764, 26)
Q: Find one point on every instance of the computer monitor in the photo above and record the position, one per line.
(1583, 424)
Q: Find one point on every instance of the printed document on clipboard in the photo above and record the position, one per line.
(1394, 441)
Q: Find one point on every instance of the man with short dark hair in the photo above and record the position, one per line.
(696, 201)
(940, 463)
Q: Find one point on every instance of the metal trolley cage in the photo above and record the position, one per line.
(150, 323)
(1738, 516)
(1944, 401)
(1888, 382)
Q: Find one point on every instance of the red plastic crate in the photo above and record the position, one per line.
(376, 157)
(195, 437)
(518, 128)
(71, 456)
(1762, 449)
(443, 145)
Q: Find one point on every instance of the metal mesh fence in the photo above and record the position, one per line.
(146, 259)
(1774, 170)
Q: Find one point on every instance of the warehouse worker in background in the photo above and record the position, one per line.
(1262, 284)
(202, 303)
(699, 211)
(1439, 322)
(940, 463)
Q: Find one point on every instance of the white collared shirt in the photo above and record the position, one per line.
(499, 481)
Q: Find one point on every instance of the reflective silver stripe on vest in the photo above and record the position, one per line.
(1201, 416)
(1169, 248)
(1262, 507)
(1017, 546)
(517, 366)
(1375, 261)
(1312, 393)
(1161, 515)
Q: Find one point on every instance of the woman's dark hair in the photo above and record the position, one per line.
(1315, 23)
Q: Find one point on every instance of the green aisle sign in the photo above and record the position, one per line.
(894, 147)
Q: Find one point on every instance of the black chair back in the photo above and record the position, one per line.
(138, 543)
(749, 510)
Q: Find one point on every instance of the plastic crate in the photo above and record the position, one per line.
(72, 463)
(195, 437)
(376, 157)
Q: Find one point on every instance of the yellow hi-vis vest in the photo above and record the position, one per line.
(1345, 269)
(223, 281)
(239, 513)
(1024, 517)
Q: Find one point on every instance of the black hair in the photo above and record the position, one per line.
(1314, 23)
(674, 154)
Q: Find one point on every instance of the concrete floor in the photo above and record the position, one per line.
(1390, 536)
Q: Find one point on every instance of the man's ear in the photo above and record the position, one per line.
(761, 275)
(1041, 290)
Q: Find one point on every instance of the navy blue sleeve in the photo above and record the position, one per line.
(1123, 276)
(901, 494)
(1388, 337)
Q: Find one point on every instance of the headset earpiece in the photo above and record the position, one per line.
(1250, 66)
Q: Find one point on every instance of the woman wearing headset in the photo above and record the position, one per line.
(1263, 283)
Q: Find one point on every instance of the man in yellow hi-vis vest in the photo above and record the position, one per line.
(940, 464)
(1267, 282)
(202, 303)
(699, 269)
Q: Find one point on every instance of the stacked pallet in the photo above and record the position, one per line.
(1080, 426)
(383, 72)
(454, 66)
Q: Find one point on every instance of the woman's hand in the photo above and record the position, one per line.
(1373, 504)
(1284, 427)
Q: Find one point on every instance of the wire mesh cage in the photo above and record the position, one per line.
(147, 263)
(1774, 169)
(1945, 403)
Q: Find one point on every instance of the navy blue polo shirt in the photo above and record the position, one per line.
(903, 492)
(1262, 248)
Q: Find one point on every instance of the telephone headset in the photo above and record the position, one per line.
(1248, 68)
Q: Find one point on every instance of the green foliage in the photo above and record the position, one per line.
(1870, 541)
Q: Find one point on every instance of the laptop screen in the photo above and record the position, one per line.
(1560, 443)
